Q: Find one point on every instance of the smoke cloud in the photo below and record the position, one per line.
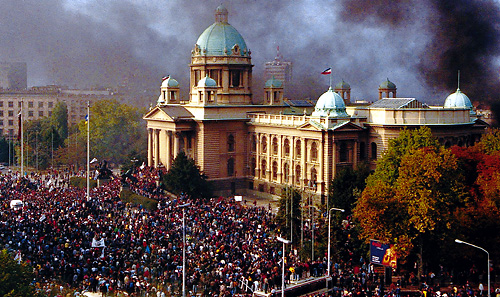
(419, 45)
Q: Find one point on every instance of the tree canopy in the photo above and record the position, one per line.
(15, 278)
(185, 177)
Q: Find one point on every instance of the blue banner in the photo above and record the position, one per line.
(382, 254)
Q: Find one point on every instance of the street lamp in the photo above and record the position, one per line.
(183, 206)
(312, 230)
(488, 268)
(329, 229)
(284, 241)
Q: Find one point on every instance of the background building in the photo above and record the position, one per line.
(244, 147)
(279, 69)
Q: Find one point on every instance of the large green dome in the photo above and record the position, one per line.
(221, 39)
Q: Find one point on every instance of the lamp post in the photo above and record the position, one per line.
(284, 241)
(488, 268)
(183, 206)
(329, 229)
(313, 207)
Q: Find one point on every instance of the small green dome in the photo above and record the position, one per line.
(330, 104)
(274, 83)
(170, 83)
(458, 99)
(221, 39)
(207, 82)
(387, 85)
(342, 85)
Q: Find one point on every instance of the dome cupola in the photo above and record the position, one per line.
(330, 104)
(458, 99)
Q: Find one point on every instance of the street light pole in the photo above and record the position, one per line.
(488, 268)
(183, 206)
(284, 241)
(329, 229)
(312, 230)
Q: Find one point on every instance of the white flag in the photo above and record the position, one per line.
(98, 243)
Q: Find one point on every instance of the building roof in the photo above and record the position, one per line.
(221, 39)
(342, 85)
(397, 103)
(169, 82)
(207, 82)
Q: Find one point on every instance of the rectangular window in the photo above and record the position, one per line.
(11, 103)
(1, 122)
(40, 113)
(30, 104)
(235, 78)
(40, 104)
(196, 77)
(51, 104)
(1, 103)
(30, 113)
(1, 113)
(11, 113)
(50, 113)
(214, 74)
(11, 122)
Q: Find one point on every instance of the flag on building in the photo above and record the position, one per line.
(327, 71)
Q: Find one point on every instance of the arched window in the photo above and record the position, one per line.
(253, 164)
(264, 145)
(275, 170)
(275, 146)
(374, 151)
(314, 176)
(297, 148)
(314, 152)
(263, 169)
(287, 147)
(230, 167)
(254, 143)
(286, 173)
(297, 174)
(230, 143)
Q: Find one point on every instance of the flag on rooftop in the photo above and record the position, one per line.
(327, 71)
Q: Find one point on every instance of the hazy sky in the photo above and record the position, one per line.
(419, 45)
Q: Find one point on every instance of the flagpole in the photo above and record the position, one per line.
(88, 150)
(22, 141)
(330, 80)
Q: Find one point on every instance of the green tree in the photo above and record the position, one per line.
(116, 130)
(289, 212)
(59, 120)
(347, 186)
(15, 278)
(185, 177)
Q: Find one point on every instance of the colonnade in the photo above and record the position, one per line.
(164, 146)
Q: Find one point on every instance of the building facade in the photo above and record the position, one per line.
(245, 147)
(38, 102)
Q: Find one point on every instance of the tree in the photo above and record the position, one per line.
(289, 211)
(15, 278)
(59, 120)
(411, 197)
(185, 177)
(347, 186)
(116, 130)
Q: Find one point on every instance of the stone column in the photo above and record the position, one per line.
(169, 150)
(157, 146)
(150, 147)
(303, 162)
(176, 144)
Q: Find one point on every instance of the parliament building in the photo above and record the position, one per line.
(248, 148)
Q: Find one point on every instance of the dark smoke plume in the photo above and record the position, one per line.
(131, 44)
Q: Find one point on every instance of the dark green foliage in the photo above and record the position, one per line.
(185, 177)
(15, 278)
(289, 211)
(81, 182)
(347, 186)
(128, 196)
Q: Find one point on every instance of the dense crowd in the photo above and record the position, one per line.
(104, 245)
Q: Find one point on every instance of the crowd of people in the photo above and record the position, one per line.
(101, 244)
